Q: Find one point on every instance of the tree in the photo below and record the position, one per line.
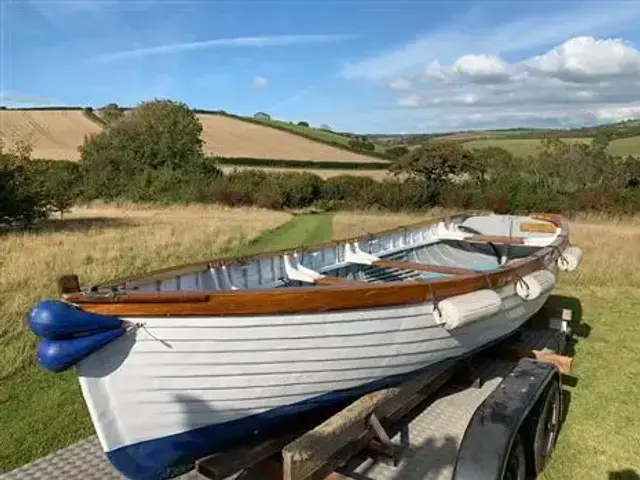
(363, 146)
(60, 184)
(111, 113)
(396, 152)
(435, 162)
(21, 202)
(156, 135)
(303, 124)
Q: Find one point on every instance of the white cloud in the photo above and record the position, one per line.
(482, 68)
(251, 42)
(401, 85)
(583, 59)
(9, 97)
(616, 114)
(584, 80)
(259, 82)
(412, 100)
(517, 35)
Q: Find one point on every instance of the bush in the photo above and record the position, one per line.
(60, 182)
(303, 124)
(362, 146)
(159, 135)
(22, 202)
(396, 152)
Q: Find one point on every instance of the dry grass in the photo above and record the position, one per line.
(53, 134)
(228, 137)
(612, 251)
(352, 224)
(101, 243)
(321, 172)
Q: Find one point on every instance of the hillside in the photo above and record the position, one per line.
(56, 134)
(229, 137)
(53, 134)
(525, 147)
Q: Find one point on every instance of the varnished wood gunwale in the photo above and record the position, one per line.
(423, 267)
(342, 296)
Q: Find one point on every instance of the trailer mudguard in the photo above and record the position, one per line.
(490, 434)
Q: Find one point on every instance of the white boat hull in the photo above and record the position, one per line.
(195, 379)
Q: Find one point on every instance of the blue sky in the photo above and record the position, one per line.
(366, 66)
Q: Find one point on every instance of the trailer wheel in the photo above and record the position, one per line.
(516, 464)
(543, 426)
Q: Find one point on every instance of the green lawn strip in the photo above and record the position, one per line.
(602, 430)
(302, 230)
(42, 412)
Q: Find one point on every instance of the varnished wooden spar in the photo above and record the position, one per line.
(423, 267)
(538, 227)
(495, 239)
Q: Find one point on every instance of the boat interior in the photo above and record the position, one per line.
(459, 246)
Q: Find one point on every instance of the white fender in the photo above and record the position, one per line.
(570, 259)
(461, 310)
(535, 284)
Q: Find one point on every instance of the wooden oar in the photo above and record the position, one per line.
(423, 268)
(495, 239)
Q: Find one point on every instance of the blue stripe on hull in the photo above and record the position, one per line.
(170, 456)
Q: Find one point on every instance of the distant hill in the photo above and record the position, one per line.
(56, 133)
(624, 129)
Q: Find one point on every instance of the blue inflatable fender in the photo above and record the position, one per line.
(56, 320)
(59, 355)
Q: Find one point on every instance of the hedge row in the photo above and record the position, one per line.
(277, 163)
(66, 184)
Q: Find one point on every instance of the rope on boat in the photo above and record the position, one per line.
(522, 281)
(135, 326)
(434, 300)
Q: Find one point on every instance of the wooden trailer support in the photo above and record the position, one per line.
(320, 451)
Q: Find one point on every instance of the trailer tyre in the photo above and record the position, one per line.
(516, 464)
(543, 427)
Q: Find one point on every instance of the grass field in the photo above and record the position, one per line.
(526, 147)
(42, 412)
(322, 135)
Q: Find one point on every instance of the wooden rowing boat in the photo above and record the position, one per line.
(183, 362)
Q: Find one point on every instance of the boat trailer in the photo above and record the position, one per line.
(495, 415)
